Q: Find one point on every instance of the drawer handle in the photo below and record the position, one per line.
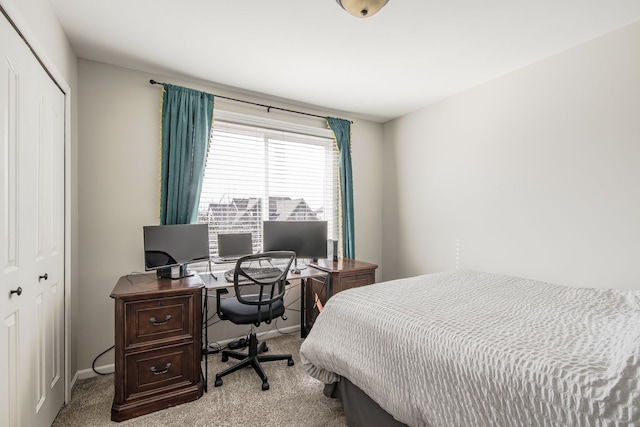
(156, 323)
(164, 371)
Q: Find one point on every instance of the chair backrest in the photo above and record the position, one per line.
(260, 279)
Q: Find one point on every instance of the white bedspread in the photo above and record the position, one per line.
(466, 348)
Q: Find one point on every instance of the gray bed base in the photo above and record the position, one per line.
(360, 410)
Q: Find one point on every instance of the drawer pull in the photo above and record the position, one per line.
(156, 323)
(164, 371)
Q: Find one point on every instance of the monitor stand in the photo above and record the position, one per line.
(296, 268)
(175, 272)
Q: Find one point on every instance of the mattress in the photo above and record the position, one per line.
(468, 348)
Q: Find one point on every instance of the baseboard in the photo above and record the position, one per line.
(276, 333)
(83, 374)
(74, 380)
(264, 335)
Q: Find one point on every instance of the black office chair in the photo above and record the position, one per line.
(259, 281)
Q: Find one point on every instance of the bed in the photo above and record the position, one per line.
(468, 348)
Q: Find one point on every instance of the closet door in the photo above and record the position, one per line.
(31, 237)
(48, 257)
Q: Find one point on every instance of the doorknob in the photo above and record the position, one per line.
(16, 291)
(45, 276)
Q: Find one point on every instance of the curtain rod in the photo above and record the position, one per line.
(268, 107)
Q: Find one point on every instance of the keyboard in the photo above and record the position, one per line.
(256, 273)
(224, 260)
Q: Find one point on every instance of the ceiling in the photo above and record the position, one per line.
(409, 55)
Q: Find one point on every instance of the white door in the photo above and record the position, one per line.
(31, 237)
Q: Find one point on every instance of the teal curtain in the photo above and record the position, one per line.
(342, 131)
(187, 116)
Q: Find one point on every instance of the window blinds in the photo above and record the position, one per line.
(261, 170)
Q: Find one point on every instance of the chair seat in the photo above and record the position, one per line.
(243, 314)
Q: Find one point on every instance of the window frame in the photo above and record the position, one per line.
(271, 125)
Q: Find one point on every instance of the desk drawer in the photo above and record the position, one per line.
(154, 321)
(353, 280)
(159, 370)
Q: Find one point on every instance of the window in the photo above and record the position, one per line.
(259, 169)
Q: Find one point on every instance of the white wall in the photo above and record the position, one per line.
(119, 159)
(535, 174)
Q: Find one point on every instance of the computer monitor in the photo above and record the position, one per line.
(308, 239)
(169, 248)
(234, 245)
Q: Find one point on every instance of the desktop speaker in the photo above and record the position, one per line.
(332, 250)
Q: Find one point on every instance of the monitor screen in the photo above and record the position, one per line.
(234, 245)
(172, 245)
(308, 239)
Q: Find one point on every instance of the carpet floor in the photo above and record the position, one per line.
(293, 399)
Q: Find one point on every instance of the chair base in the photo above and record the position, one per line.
(252, 359)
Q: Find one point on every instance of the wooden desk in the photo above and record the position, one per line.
(343, 274)
(157, 343)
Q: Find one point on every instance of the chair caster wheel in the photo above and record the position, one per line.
(225, 357)
(290, 362)
(218, 382)
(265, 386)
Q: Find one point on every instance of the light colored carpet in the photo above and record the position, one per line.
(294, 398)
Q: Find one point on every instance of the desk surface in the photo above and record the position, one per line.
(221, 282)
(343, 264)
(133, 285)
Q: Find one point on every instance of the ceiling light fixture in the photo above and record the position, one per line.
(362, 8)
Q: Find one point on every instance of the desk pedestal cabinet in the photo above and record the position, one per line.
(157, 344)
(343, 274)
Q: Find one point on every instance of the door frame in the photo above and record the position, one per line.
(22, 27)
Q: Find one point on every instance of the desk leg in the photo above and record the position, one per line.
(303, 319)
(204, 352)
